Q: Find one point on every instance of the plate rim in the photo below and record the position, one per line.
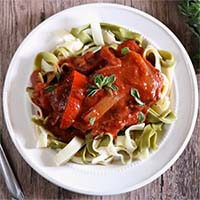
(169, 163)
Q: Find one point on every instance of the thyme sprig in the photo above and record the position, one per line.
(102, 82)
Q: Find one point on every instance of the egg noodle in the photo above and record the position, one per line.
(136, 141)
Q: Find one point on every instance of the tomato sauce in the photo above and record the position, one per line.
(113, 111)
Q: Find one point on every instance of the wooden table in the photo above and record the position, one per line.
(18, 18)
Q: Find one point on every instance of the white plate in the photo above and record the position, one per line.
(99, 180)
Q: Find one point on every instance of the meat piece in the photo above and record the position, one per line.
(132, 45)
(140, 74)
(85, 64)
(107, 55)
(35, 78)
(40, 98)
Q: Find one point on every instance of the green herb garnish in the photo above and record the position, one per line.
(125, 50)
(102, 82)
(136, 95)
(191, 9)
(92, 120)
(141, 117)
(49, 89)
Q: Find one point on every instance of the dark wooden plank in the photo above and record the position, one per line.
(18, 18)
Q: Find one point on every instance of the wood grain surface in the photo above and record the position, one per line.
(17, 19)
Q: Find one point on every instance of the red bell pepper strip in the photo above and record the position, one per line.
(75, 99)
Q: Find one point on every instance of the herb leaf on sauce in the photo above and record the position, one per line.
(49, 89)
(92, 120)
(136, 95)
(141, 117)
(102, 82)
(125, 50)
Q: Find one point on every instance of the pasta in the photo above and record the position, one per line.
(119, 120)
